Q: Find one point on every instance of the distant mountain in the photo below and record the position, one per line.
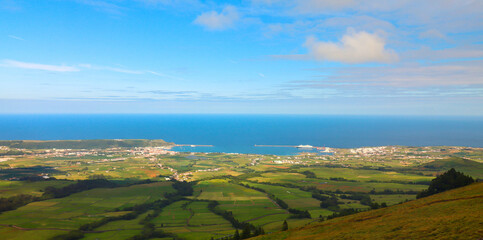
(454, 214)
(84, 144)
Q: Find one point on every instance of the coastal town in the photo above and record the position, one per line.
(168, 164)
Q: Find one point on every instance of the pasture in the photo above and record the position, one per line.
(334, 185)
(12, 188)
(192, 220)
(246, 204)
(122, 229)
(294, 197)
(80, 208)
(364, 175)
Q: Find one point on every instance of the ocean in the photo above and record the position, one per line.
(239, 133)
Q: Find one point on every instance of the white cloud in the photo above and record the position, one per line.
(218, 21)
(37, 66)
(15, 37)
(354, 47)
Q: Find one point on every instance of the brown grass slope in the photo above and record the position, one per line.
(455, 214)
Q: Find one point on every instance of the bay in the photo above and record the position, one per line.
(239, 133)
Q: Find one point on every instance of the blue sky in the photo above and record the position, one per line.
(398, 57)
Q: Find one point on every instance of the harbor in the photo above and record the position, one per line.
(322, 149)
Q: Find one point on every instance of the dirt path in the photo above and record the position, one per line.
(191, 216)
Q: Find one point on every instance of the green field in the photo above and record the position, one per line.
(70, 212)
(192, 220)
(295, 198)
(246, 204)
(13, 188)
(334, 185)
(366, 175)
(204, 195)
(122, 229)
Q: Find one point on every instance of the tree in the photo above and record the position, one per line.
(237, 235)
(330, 202)
(284, 225)
(245, 232)
(309, 174)
(446, 181)
(258, 231)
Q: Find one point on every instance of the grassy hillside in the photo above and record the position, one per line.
(473, 168)
(455, 214)
(45, 219)
(84, 144)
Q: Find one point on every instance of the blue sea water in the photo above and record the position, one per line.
(239, 133)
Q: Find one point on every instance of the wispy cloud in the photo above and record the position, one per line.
(15, 37)
(113, 69)
(432, 34)
(38, 66)
(465, 52)
(10, 5)
(181, 4)
(164, 75)
(103, 6)
(218, 21)
(465, 74)
(448, 16)
(306, 6)
(79, 67)
(128, 71)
